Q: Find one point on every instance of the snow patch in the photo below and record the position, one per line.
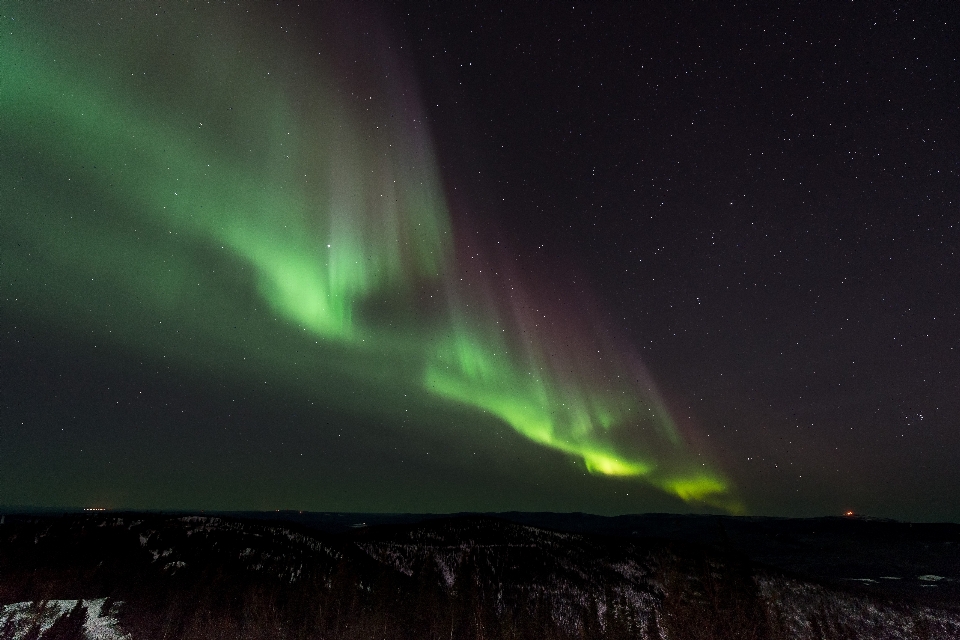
(25, 618)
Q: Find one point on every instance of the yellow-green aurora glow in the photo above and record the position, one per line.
(200, 169)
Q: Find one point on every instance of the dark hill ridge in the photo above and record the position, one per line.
(463, 577)
(886, 557)
(835, 549)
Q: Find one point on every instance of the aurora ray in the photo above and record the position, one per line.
(188, 155)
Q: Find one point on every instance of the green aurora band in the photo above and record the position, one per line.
(249, 190)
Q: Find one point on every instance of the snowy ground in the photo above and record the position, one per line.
(24, 617)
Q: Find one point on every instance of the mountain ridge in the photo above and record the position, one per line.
(463, 576)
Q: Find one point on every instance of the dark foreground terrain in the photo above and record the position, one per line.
(111, 576)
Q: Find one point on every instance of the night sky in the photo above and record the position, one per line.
(421, 257)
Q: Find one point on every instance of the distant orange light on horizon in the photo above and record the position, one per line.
(848, 513)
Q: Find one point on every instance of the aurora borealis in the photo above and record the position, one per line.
(242, 203)
(327, 200)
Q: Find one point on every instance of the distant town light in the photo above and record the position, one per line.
(849, 513)
(94, 509)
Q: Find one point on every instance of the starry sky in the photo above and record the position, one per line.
(421, 257)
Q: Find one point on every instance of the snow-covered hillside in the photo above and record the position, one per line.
(468, 577)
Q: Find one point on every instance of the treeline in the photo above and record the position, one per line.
(247, 580)
(171, 578)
